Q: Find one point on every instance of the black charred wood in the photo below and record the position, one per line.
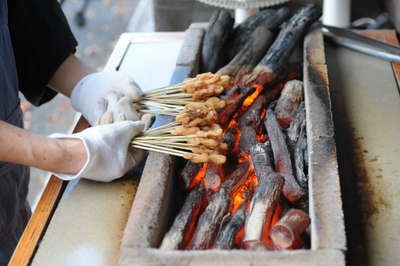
(297, 134)
(227, 95)
(219, 28)
(227, 113)
(207, 226)
(231, 137)
(230, 225)
(288, 103)
(293, 132)
(248, 138)
(250, 54)
(188, 172)
(283, 164)
(173, 239)
(262, 207)
(261, 155)
(252, 116)
(268, 18)
(288, 38)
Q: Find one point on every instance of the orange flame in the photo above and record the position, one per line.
(246, 187)
(249, 100)
(199, 176)
(267, 227)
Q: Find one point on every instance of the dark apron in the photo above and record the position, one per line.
(14, 179)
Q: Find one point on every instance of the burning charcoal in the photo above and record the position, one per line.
(188, 172)
(268, 18)
(280, 51)
(261, 157)
(231, 137)
(210, 219)
(220, 26)
(251, 53)
(295, 127)
(286, 233)
(173, 239)
(288, 102)
(226, 114)
(283, 163)
(228, 94)
(249, 122)
(253, 114)
(230, 226)
(263, 206)
(212, 180)
(254, 245)
(248, 138)
(267, 194)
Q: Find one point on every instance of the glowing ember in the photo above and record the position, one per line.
(210, 176)
(249, 100)
(199, 176)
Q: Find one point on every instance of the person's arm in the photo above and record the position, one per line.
(98, 153)
(70, 72)
(55, 155)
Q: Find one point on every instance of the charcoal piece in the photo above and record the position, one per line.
(283, 164)
(219, 28)
(240, 170)
(173, 239)
(267, 193)
(297, 135)
(228, 94)
(226, 114)
(208, 223)
(263, 206)
(261, 154)
(288, 38)
(300, 155)
(251, 53)
(230, 225)
(288, 103)
(212, 179)
(254, 245)
(188, 172)
(248, 138)
(252, 116)
(231, 137)
(286, 233)
(268, 18)
(293, 132)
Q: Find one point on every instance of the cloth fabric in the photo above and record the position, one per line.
(14, 179)
(106, 97)
(42, 40)
(106, 149)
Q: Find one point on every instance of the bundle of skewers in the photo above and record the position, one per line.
(173, 99)
(195, 134)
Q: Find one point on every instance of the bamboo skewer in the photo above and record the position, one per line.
(173, 99)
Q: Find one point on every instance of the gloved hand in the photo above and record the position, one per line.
(106, 97)
(107, 150)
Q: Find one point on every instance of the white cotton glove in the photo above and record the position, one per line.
(107, 150)
(106, 97)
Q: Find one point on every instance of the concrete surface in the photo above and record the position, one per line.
(366, 108)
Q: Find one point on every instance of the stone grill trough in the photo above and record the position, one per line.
(159, 195)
